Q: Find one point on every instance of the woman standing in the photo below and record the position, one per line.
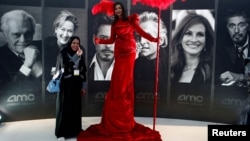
(117, 121)
(71, 61)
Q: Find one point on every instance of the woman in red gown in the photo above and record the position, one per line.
(117, 123)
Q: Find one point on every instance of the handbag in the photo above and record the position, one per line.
(54, 85)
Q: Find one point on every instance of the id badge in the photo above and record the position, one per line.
(76, 72)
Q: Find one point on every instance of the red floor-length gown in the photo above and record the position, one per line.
(117, 123)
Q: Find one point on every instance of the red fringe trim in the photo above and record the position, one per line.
(161, 4)
(104, 6)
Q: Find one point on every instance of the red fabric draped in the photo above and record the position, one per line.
(117, 123)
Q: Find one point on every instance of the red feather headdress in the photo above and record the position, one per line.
(161, 4)
(104, 6)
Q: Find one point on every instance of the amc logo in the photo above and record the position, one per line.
(21, 98)
(190, 98)
(232, 102)
(145, 96)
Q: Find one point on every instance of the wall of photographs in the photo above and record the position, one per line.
(200, 74)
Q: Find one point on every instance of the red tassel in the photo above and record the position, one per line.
(161, 4)
(104, 6)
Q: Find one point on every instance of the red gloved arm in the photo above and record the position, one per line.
(135, 21)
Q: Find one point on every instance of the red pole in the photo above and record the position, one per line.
(156, 71)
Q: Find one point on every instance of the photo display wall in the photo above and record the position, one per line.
(202, 51)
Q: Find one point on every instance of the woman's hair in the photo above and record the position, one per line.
(178, 60)
(68, 48)
(151, 16)
(66, 16)
(71, 40)
(124, 16)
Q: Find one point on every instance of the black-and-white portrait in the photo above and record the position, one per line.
(191, 61)
(146, 60)
(192, 46)
(20, 56)
(233, 42)
(60, 25)
(232, 48)
(62, 20)
(101, 56)
(102, 62)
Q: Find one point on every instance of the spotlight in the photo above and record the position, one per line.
(1, 117)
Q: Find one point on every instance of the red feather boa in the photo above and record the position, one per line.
(104, 6)
(161, 4)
